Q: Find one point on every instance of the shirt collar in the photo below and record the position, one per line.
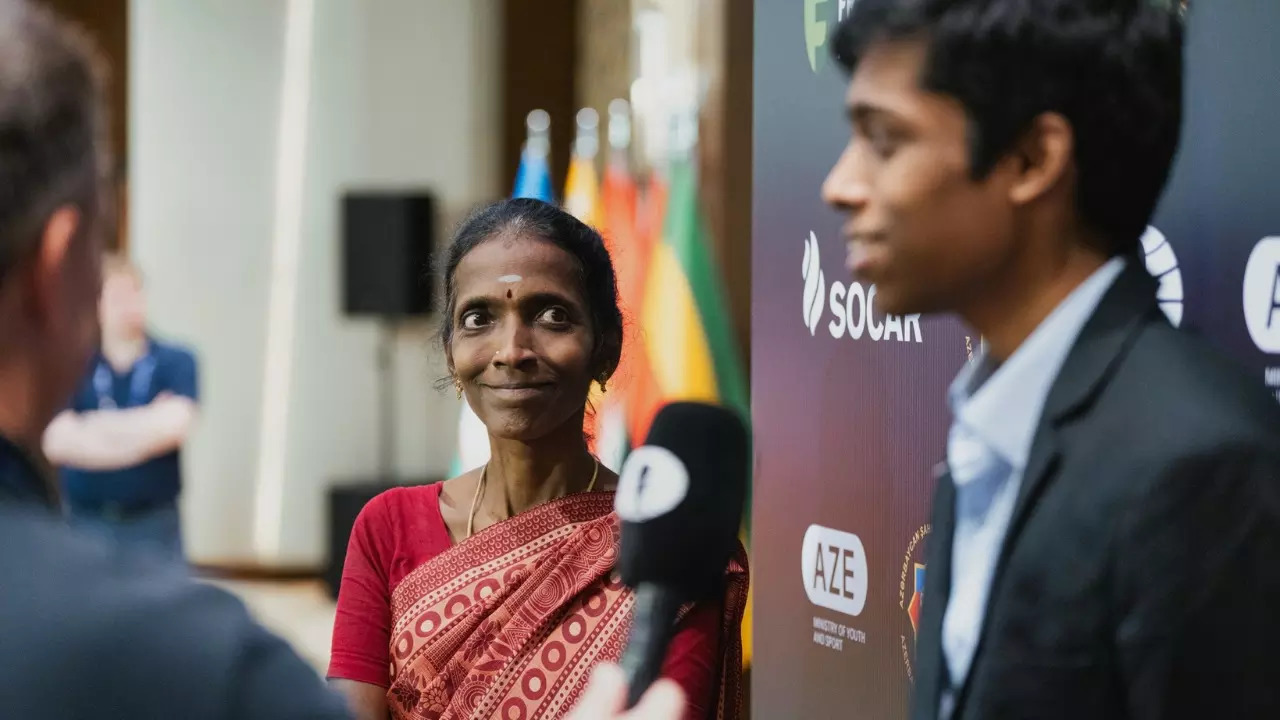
(1001, 405)
(21, 477)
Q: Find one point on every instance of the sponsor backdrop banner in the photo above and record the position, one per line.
(849, 405)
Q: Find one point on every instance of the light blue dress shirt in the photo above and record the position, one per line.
(997, 410)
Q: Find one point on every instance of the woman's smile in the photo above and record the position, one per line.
(518, 391)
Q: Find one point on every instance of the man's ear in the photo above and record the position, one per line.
(51, 255)
(1044, 155)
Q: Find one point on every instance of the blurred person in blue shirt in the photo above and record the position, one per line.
(119, 443)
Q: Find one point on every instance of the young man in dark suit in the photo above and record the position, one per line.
(1106, 541)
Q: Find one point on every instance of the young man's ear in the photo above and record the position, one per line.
(1044, 155)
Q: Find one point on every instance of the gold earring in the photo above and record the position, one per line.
(457, 384)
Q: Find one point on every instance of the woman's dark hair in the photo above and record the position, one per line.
(534, 218)
(1112, 68)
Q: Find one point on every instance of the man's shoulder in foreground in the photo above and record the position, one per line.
(91, 632)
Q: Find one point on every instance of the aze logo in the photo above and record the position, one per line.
(834, 567)
(1262, 295)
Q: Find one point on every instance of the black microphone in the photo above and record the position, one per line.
(680, 498)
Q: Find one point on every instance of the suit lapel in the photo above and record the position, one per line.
(931, 669)
(1103, 341)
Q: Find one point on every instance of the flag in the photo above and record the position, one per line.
(533, 180)
(582, 189)
(643, 394)
(533, 177)
(618, 219)
(582, 200)
(688, 333)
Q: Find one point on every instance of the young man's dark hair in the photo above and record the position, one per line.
(1112, 68)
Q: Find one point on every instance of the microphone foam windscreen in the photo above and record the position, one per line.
(680, 498)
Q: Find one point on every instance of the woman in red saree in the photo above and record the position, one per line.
(493, 594)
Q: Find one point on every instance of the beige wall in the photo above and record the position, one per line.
(605, 69)
(401, 92)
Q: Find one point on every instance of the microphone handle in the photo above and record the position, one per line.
(652, 627)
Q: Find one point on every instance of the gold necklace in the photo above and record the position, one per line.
(471, 516)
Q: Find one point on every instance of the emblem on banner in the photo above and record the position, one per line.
(814, 284)
(911, 584)
(1262, 295)
(852, 307)
(1162, 263)
(816, 28)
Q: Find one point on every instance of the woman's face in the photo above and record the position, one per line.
(522, 336)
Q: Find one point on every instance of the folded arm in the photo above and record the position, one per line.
(116, 439)
(1196, 566)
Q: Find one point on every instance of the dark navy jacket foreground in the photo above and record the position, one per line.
(92, 632)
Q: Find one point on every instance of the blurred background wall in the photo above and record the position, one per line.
(400, 93)
(238, 126)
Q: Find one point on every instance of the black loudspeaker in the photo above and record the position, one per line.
(387, 240)
(345, 503)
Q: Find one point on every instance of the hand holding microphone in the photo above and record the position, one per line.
(680, 498)
(606, 696)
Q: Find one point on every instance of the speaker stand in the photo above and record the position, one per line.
(387, 400)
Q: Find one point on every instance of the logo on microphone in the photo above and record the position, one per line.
(1262, 295)
(853, 308)
(1162, 264)
(911, 584)
(653, 482)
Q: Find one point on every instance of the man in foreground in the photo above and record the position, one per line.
(1104, 544)
(88, 630)
(119, 444)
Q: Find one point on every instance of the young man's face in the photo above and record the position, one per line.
(919, 227)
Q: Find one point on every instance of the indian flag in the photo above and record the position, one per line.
(688, 335)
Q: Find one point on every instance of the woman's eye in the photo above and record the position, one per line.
(554, 316)
(473, 320)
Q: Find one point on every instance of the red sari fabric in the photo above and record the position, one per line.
(509, 623)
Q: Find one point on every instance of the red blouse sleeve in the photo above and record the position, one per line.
(362, 625)
(693, 659)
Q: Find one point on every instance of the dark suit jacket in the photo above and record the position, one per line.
(1140, 577)
(89, 632)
